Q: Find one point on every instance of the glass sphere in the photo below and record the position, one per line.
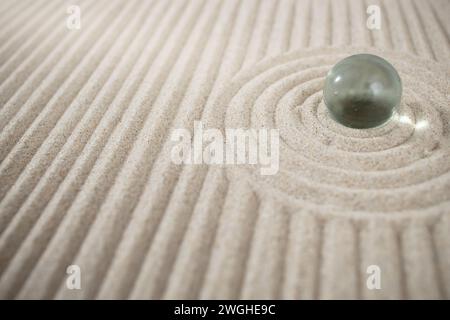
(362, 91)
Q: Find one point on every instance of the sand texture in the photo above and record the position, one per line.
(86, 176)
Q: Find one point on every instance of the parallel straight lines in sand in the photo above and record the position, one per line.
(264, 280)
(226, 268)
(77, 92)
(15, 17)
(141, 157)
(441, 240)
(33, 31)
(196, 247)
(20, 86)
(36, 45)
(440, 15)
(82, 211)
(414, 25)
(420, 271)
(23, 196)
(430, 24)
(49, 222)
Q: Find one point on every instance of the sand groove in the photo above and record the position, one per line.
(86, 176)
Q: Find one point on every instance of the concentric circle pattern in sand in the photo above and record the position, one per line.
(401, 167)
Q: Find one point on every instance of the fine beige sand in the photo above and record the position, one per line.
(86, 176)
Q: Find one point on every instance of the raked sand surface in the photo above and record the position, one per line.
(86, 176)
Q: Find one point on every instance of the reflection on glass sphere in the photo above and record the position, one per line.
(362, 91)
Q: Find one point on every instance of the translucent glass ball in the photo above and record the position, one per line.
(362, 91)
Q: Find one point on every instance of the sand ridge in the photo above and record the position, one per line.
(86, 176)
